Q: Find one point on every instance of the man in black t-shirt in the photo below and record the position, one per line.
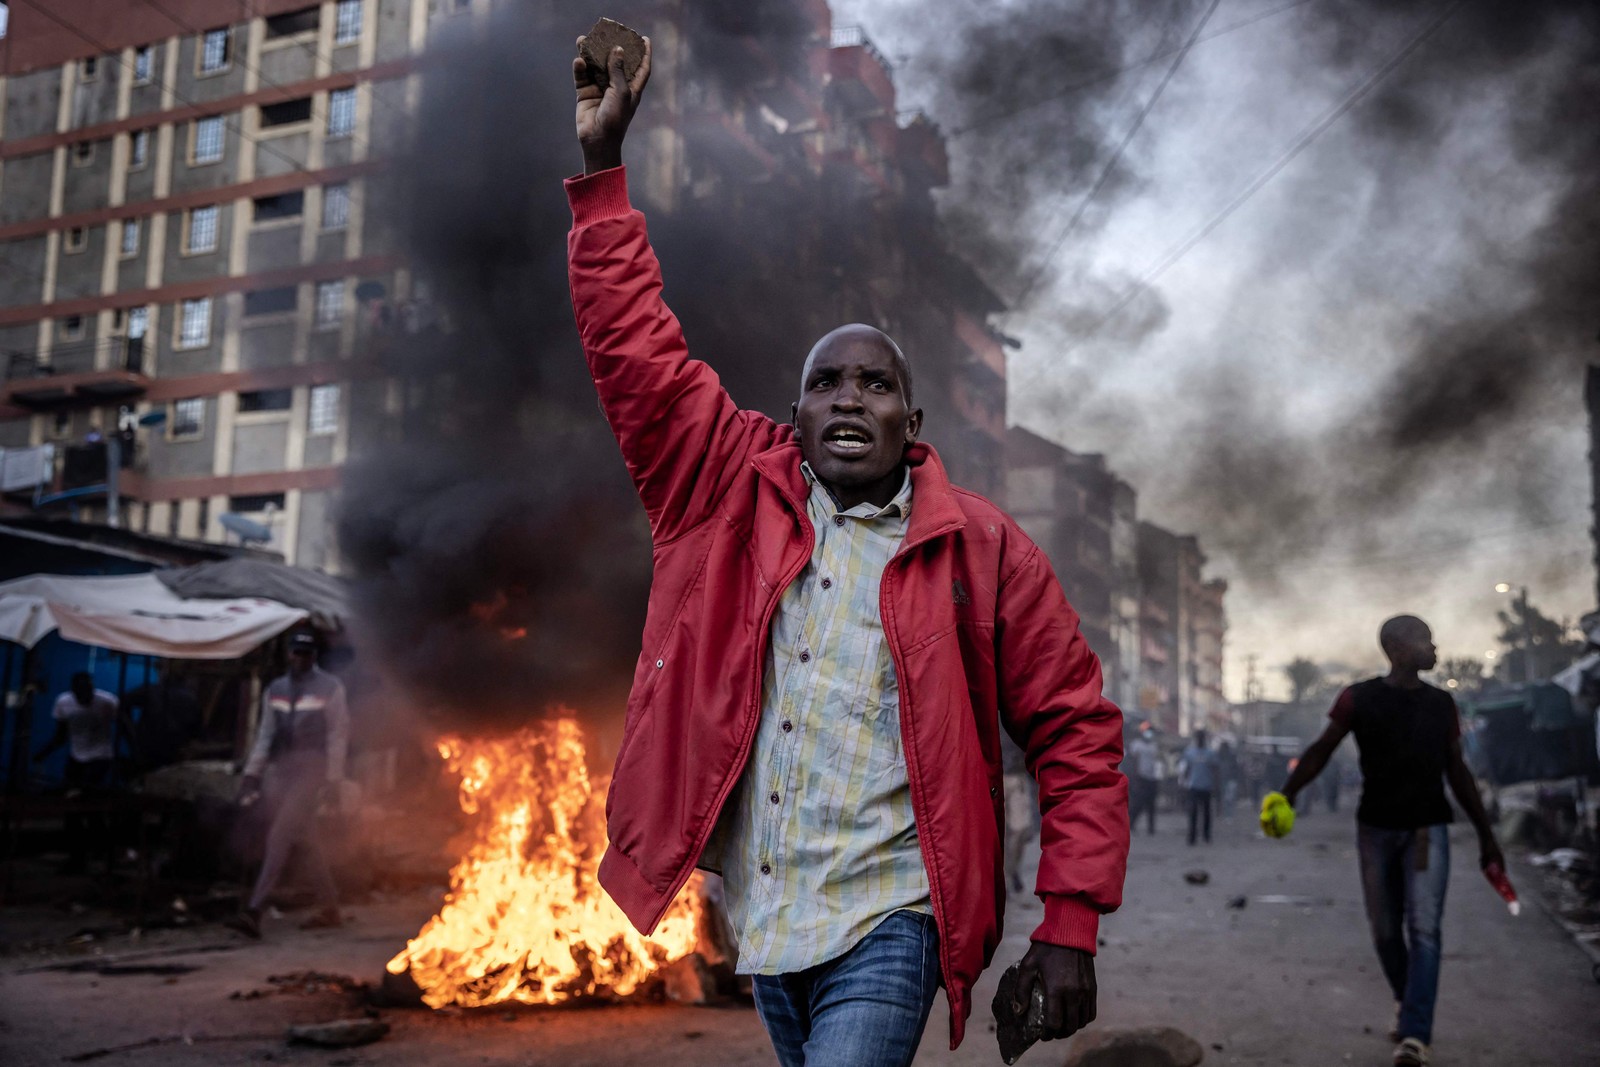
(1409, 739)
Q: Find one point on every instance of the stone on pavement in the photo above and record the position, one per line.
(342, 1033)
(1145, 1046)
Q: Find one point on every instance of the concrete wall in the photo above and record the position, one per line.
(260, 442)
(24, 283)
(32, 103)
(78, 273)
(25, 185)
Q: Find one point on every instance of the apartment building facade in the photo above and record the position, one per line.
(181, 228)
(191, 260)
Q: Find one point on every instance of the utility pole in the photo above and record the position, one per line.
(1527, 636)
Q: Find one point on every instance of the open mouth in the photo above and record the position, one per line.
(847, 441)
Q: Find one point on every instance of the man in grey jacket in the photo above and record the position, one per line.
(296, 763)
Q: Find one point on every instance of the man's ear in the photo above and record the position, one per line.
(794, 415)
(913, 426)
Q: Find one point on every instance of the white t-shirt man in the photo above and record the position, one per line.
(88, 728)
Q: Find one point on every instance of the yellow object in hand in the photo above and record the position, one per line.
(1277, 815)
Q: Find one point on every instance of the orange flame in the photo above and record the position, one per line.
(525, 919)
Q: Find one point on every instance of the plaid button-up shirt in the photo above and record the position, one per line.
(819, 842)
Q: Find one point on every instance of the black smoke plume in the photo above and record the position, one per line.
(501, 558)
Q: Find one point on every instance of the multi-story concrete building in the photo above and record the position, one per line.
(1084, 517)
(1062, 499)
(1160, 612)
(1184, 625)
(189, 233)
(181, 222)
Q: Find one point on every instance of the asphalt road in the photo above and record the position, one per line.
(1285, 984)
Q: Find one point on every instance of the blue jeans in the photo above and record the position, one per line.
(866, 1007)
(1404, 890)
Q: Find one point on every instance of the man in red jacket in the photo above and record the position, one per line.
(835, 635)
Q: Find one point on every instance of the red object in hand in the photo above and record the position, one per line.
(1502, 885)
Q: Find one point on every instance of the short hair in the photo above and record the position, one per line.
(1399, 628)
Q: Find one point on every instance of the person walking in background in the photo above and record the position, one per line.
(1198, 773)
(1409, 737)
(1227, 778)
(298, 757)
(86, 722)
(1144, 777)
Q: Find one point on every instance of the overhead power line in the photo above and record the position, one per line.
(1305, 140)
(1025, 106)
(1116, 157)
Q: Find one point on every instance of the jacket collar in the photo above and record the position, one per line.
(936, 512)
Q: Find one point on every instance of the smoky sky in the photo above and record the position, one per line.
(1473, 360)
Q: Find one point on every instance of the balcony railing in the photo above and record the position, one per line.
(856, 37)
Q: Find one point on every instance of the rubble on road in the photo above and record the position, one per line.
(341, 1033)
(1197, 877)
(302, 984)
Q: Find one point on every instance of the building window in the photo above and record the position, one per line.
(215, 49)
(88, 68)
(324, 415)
(347, 21)
(144, 64)
(341, 112)
(255, 503)
(330, 304)
(205, 140)
(336, 206)
(138, 149)
(82, 153)
(194, 322)
(77, 239)
(186, 420)
(130, 238)
(266, 400)
(286, 113)
(293, 23)
(138, 326)
(282, 206)
(271, 301)
(71, 328)
(200, 235)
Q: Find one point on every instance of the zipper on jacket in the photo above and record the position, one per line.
(913, 767)
(753, 717)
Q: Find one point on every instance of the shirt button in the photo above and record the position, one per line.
(766, 868)
(838, 520)
(827, 583)
(994, 790)
(660, 663)
(805, 657)
(787, 726)
(773, 797)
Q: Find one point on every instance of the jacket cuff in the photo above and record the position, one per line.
(1070, 922)
(597, 197)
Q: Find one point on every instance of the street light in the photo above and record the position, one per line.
(1502, 587)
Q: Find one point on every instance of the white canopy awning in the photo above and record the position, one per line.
(136, 613)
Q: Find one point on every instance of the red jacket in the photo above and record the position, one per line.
(974, 618)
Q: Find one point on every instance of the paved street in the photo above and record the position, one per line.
(1275, 983)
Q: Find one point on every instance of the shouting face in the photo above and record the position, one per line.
(854, 415)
